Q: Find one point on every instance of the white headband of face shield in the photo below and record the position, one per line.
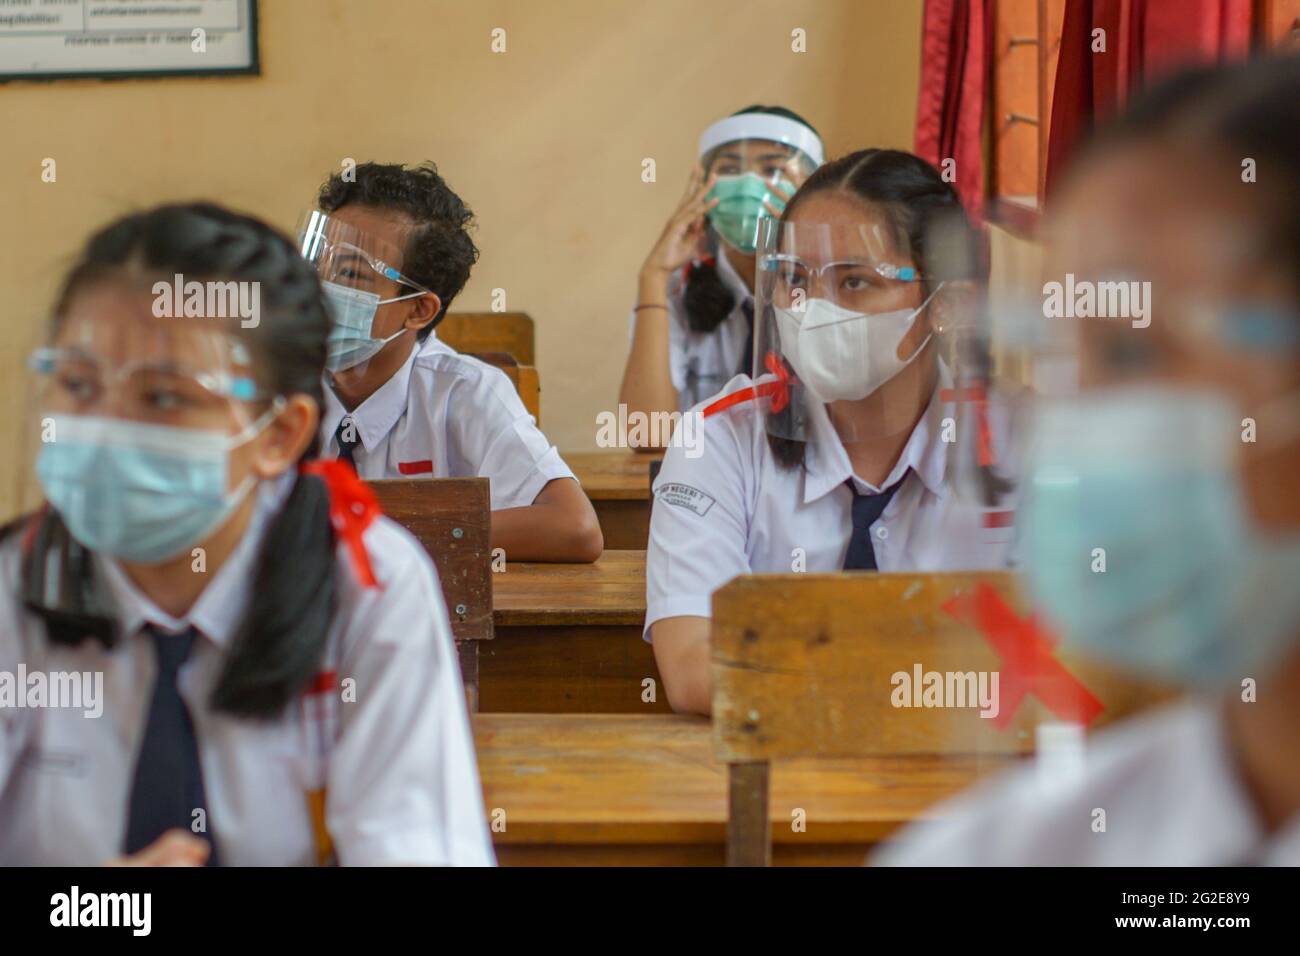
(766, 126)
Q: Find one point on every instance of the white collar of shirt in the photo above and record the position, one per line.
(731, 278)
(375, 417)
(220, 607)
(827, 466)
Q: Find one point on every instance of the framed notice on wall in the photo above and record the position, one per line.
(60, 39)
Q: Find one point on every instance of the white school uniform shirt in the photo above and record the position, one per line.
(1166, 781)
(448, 415)
(397, 764)
(700, 363)
(733, 509)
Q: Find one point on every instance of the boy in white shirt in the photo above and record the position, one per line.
(393, 250)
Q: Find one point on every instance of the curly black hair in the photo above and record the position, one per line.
(439, 253)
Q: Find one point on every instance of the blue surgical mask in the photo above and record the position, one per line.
(353, 311)
(1138, 543)
(141, 493)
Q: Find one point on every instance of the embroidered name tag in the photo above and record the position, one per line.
(424, 467)
(684, 496)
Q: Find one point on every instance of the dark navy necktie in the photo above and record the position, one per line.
(867, 508)
(746, 356)
(346, 436)
(168, 783)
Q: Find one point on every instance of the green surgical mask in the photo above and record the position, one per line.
(740, 208)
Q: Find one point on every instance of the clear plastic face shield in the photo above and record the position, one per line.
(360, 275)
(758, 161)
(142, 407)
(1165, 350)
(841, 322)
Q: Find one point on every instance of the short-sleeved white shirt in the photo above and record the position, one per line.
(735, 510)
(448, 415)
(1167, 783)
(700, 363)
(397, 763)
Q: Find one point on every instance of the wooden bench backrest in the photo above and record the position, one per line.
(473, 332)
(451, 517)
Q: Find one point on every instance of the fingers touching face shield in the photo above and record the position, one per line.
(757, 160)
(360, 274)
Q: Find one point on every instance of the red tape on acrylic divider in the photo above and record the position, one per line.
(1028, 659)
(353, 508)
(779, 390)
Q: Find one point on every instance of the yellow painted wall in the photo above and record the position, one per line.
(545, 142)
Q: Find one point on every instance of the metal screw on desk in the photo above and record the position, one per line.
(753, 717)
(460, 609)
(457, 533)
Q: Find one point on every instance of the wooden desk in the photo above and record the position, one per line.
(618, 484)
(568, 639)
(613, 789)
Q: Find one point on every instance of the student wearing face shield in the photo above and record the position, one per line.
(840, 450)
(693, 322)
(393, 250)
(1172, 454)
(242, 661)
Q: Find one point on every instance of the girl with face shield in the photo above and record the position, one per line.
(208, 592)
(1170, 453)
(839, 450)
(692, 325)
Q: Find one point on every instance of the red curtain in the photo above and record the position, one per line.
(1143, 38)
(956, 48)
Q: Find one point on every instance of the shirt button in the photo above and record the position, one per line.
(882, 532)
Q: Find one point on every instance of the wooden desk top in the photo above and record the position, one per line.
(621, 475)
(631, 778)
(610, 591)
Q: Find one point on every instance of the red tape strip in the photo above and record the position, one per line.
(1029, 659)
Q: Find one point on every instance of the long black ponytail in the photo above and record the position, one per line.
(279, 645)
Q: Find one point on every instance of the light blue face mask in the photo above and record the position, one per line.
(1143, 482)
(353, 311)
(141, 493)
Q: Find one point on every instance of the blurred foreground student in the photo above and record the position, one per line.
(693, 322)
(1179, 457)
(393, 250)
(200, 667)
(833, 454)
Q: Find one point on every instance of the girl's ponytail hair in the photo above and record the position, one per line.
(279, 645)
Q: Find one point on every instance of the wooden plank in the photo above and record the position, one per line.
(569, 640)
(583, 669)
(596, 784)
(451, 518)
(490, 332)
(802, 666)
(625, 524)
(749, 840)
(609, 591)
(618, 484)
(613, 475)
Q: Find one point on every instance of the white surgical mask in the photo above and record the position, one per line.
(841, 355)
